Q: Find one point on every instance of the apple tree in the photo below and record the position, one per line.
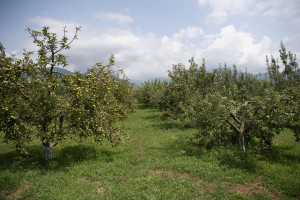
(38, 101)
(287, 83)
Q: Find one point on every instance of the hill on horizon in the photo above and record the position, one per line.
(62, 71)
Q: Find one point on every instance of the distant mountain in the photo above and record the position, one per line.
(262, 76)
(62, 71)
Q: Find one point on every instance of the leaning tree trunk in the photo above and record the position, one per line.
(239, 130)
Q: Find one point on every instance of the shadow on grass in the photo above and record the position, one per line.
(238, 160)
(143, 106)
(282, 154)
(163, 122)
(229, 157)
(232, 157)
(63, 158)
(153, 117)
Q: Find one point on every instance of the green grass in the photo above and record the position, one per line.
(154, 164)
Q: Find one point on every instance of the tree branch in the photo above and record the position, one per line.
(52, 62)
(75, 37)
(231, 124)
(52, 145)
(34, 37)
(235, 118)
(247, 102)
(24, 95)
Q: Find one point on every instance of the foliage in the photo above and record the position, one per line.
(229, 109)
(228, 106)
(287, 83)
(152, 93)
(36, 100)
(98, 100)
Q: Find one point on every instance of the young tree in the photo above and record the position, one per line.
(38, 101)
(291, 93)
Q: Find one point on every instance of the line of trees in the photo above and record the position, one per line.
(38, 102)
(228, 106)
(225, 105)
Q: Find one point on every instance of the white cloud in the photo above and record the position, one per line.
(236, 47)
(190, 32)
(292, 40)
(217, 17)
(171, 45)
(54, 24)
(203, 2)
(146, 56)
(292, 44)
(121, 18)
(222, 9)
(288, 10)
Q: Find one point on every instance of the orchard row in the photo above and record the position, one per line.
(228, 106)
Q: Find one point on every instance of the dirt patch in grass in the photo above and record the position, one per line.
(211, 187)
(17, 193)
(124, 178)
(261, 165)
(252, 188)
(86, 179)
(172, 174)
(140, 150)
(202, 186)
(248, 189)
(187, 175)
(139, 138)
(167, 173)
(205, 187)
(274, 195)
(100, 191)
(98, 183)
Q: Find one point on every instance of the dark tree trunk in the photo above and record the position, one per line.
(48, 152)
(48, 148)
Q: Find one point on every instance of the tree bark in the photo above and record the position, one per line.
(239, 130)
(48, 148)
(48, 152)
(241, 137)
(242, 142)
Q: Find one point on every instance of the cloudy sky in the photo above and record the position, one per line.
(148, 37)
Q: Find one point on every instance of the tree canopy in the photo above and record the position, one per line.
(38, 102)
(229, 106)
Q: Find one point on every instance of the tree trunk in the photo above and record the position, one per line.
(241, 137)
(48, 152)
(242, 141)
(240, 131)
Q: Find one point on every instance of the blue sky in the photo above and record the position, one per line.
(147, 37)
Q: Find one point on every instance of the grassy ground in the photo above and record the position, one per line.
(152, 165)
